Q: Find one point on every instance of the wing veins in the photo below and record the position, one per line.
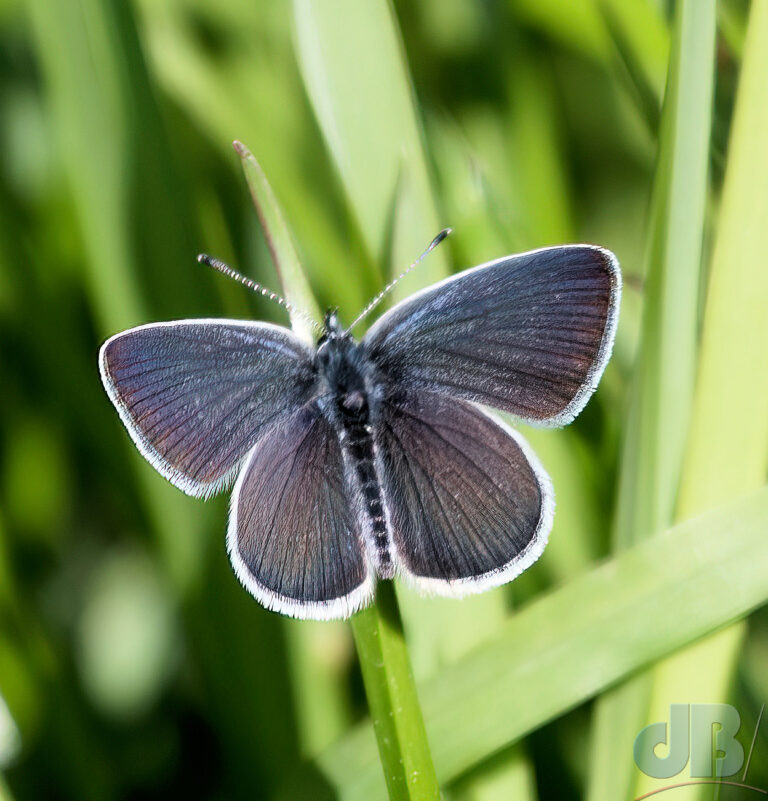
(467, 461)
(424, 515)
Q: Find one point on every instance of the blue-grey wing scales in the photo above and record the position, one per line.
(195, 395)
(295, 542)
(468, 504)
(529, 334)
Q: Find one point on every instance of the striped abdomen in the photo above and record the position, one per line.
(359, 443)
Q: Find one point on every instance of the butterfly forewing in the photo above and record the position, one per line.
(529, 334)
(468, 504)
(293, 538)
(196, 394)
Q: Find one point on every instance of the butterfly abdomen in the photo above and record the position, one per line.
(358, 441)
(345, 373)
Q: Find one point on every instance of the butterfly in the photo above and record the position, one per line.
(357, 460)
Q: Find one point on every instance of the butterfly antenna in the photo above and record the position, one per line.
(225, 269)
(390, 286)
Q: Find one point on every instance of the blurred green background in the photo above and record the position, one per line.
(132, 664)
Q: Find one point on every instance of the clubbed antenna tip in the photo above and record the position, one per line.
(388, 288)
(437, 240)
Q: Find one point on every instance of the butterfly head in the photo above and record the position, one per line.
(331, 324)
(332, 329)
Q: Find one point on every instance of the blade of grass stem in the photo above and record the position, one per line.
(392, 698)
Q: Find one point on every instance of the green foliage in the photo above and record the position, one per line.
(580, 639)
(662, 387)
(131, 662)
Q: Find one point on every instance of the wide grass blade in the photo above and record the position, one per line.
(359, 87)
(663, 379)
(578, 640)
(729, 425)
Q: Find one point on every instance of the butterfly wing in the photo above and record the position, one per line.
(196, 394)
(293, 538)
(530, 334)
(468, 505)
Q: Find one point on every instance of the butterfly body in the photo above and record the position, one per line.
(356, 461)
(351, 405)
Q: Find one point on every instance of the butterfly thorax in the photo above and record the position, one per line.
(346, 375)
(347, 379)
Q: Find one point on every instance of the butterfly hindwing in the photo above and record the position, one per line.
(529, 334)
(294, 539)
(196, 394)
(469, 506)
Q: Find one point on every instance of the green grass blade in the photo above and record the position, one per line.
(641, 42)
(729, 424)
(663, 380)
(392, 699)
(77, 46)
(83, 51)
(664, 374)
(358, 84)
(576, 641)
(357, 80)
(730, 418)
(281, 247)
